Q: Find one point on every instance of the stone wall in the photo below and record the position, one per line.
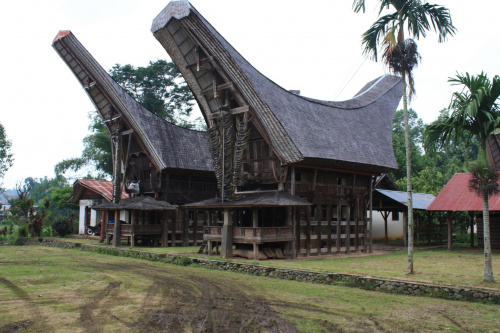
(349, 280)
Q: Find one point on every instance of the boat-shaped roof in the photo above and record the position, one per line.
(352, 135)
(168, 145)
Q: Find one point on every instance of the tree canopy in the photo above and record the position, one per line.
(6, 156)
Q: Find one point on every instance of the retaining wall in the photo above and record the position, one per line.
(350, 280)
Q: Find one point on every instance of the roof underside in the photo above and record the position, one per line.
(262, 199)
(168, 145)
(456, 196)
(353, 134)
(137, 203)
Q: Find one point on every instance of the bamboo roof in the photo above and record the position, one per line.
(258, 199)
(103, 188)
(137, 203)
(168, 145)
(352, 135)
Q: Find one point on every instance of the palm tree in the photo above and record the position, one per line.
(402, 57)
(475, 114)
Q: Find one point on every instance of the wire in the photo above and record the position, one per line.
(350, 79)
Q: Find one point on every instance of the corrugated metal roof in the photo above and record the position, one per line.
(101, 187)
(456, 196)
(420, 200)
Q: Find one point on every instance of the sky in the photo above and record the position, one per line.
(313, 46)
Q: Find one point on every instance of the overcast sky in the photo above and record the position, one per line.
(313, 46)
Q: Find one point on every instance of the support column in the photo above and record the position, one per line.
(255, 224)
(117, 230)
(164, 229)
(227, 235)
(104, 221)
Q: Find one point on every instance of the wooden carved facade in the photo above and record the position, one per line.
(294, 174)
(151, 157)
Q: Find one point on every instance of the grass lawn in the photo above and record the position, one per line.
(45, 289)
(460, 267)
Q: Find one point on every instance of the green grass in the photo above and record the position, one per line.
(62, 290)
(460, 267)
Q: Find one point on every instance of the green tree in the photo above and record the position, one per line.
(159, 87)
(476, 114)
(416, 126)
(6, 157)
(401, 56)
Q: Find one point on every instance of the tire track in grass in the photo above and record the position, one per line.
(89, 322)
(32, 306)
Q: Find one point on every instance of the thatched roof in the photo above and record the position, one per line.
(259, 199)
(353, 134)
(168, 145)
(137, 203)
(89, 188)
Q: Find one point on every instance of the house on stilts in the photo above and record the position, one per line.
(294, 174)
(152, 158)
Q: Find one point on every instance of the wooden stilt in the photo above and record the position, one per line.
(227, 235)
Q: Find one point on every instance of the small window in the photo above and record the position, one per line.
(395, 216)
(298, 177)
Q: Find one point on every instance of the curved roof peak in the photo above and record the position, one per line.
(175, 9)
(298, 129)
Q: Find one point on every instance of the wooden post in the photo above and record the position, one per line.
(185, 227)
(449, 217)
(174, 227)
(308, 230)
(296, 233)
(227, 235)
(319, 213)
(471, 215)
(164, 229)
(356, 226)
(348, 229)
(329, 221)
(195, 228)
(255, 224)
(405, 228)
(339, 228)
(385, 216)
(103, 223)
(117, 230)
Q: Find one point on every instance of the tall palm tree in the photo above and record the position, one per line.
(475, 113)
(402, 57)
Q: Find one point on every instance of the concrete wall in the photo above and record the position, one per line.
(394, 228)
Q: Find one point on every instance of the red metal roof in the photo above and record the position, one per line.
(456, 196)
(102, 187)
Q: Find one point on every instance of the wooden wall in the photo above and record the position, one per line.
(494, 230)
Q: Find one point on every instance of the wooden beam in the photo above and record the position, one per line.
(233, 111)
(202, 61)
(220, 87)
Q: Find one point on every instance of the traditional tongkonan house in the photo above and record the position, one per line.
(294, 174)
(152, 157)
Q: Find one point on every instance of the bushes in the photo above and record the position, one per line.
(62, 226)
